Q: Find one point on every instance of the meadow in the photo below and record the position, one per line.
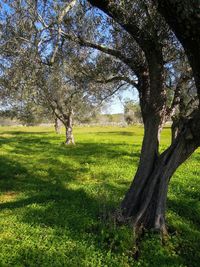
(54, 201)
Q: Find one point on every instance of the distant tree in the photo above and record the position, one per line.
(17, 102)
(132, 112)
(67, 96)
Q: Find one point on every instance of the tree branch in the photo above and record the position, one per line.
(104, 49)
(119, 78)
(128, 22)
(65, 10)
(177, 94)
(111, 94)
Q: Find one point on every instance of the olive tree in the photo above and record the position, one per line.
(45, 68)
(145, 201)
(143, 44)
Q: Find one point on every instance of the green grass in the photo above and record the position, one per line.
(53, 200)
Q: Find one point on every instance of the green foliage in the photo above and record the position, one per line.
(55, 199)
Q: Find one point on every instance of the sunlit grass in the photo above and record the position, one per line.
(53, 200)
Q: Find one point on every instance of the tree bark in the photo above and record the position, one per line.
(57, 126)
(69, 131)
(145, 202)
(153, 113)
(175, 128)
(148, 157)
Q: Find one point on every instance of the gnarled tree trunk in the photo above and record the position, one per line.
(145, 202)
(149, 154)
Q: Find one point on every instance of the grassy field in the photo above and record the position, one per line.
(53, 200)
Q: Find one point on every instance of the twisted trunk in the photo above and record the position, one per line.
(149, 154)
(145, 202)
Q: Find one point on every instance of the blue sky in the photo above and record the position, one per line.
(116, 104)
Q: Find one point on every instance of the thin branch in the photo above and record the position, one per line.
(65, 10)
(112, 93)
(104, 49)
(119, 78)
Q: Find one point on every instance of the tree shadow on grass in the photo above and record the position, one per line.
(61, 207)
(48, 202)
(186, 204)
(51, 204)
(185, 208)
(5, 140)
(48, 146)
(25, 133)
(120, 133)
(57, 162)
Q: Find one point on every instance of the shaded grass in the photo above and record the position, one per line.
(51, 197)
